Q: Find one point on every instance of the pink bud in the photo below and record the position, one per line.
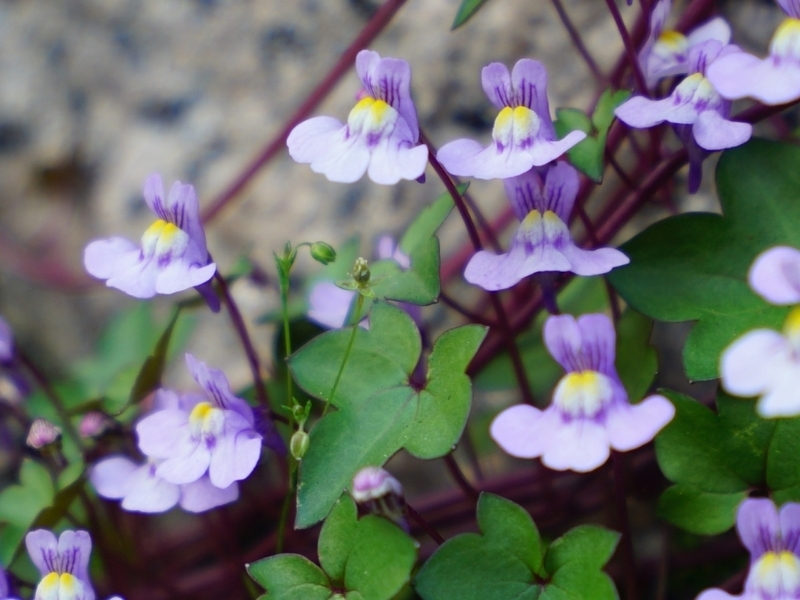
(42, 432)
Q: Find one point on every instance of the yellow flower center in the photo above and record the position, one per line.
(206, 421)
(371, 117)
(63, 586)
(516, 125)
(583, 393)
(164, 240)
(786, 41)
(777, 573)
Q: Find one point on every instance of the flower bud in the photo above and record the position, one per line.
(361, 271)
(323, 253)
(299, 443)
(93, 423)
(42, 433)
(380, 493)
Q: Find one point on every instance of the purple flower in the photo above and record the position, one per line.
(764, 362)
(372, 483)
(590, 412)
(5, 593)
(173, 256)
(211, 433)
(700, 113)
(543, 241)
(773, 540)
(381, 133)
(63, 564)
(6, 341)
(142, 490)
(523, 133)
(773, 80)
(667, 52)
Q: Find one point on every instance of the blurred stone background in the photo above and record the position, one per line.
(97, 94)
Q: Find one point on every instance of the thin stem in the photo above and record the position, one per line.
(459, 477)
(370, 31)
(471, 315)
(284, 518)
(426, 527)
(247, 344)
(287, 337)
(575, 36)
(502, 317)
(613, 300)
(630, 49)
(53, 397)
(619, 170)
(359, 305)
(631, 583)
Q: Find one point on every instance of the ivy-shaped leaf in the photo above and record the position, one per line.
(637, 360)
(379, 411)
(508, 560)
(419, 283)
(693, 267)
(588, 156)
(21, 504)
(369, 559)
(716, 459)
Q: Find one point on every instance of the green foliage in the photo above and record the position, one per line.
(379, 411)
(715, 459)
(637, 360)
(693, 267)
(21, 504)
(148, 378)
(588, 156)
(370, 558)
(508, 560)
(419, 284)
(466, 11)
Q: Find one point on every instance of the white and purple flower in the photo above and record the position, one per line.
(543, 241)
(173, 256)
(666, 52)
(211, 433)
(773, 80)
(773, 539)
(523, 134)
(590, 413)
(765, 362)
(5, 592)
(142, 490)
(381, 134)
(63, 564)
(700, 114)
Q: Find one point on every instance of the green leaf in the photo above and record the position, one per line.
(379, 411)
(290, 577)
(693, 267)
(717, 458)
(381, 358)
(637, 360)
(149, 377)
(21, 504)
(337, 538)
(507, 561)
(445, 402)
(419, 284)
(465, 12)
(703, 513)
(588, 156)
(344, 442)
(381, 559)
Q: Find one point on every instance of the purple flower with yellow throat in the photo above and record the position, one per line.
(590, 413)
(523, 135)
(765, 363)
(63, 564)
(543, 241)
(380, 137)
(172, 257)
(773, 80)
(210, 433)
(773, 539)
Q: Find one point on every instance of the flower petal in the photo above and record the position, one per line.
(154, 195)
(560, 190)
(184, 211)
(496, 82)
(236, 453)
(201, 495)
(783, 397)
(791, 7)
(188, 467)
(641, 112)
(775, 275)
(529, 80)
(502, 271)
(74, 548)
(715, 29)
(102, 258)
(753, 362)
(580, 445)
(110, 476)
(43, 550)
(180, 275)
(593, 262)
(310, 140)
(713, 132)
(740, 75)
(391, 161)
(632, 426)
(467, 158)
(329, 304)
(149, 493)
(758, 526)
(389, 79)
(598, 344)
(543, 151)
(525, 431)
(564, 340)
(162, 433)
